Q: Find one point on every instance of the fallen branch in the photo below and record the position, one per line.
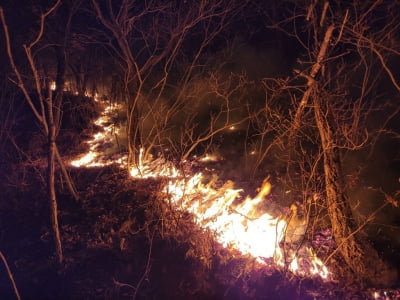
(10, 276)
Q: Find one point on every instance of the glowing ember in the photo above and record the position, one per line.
(210, 157)
(236, 220)
(153, 168)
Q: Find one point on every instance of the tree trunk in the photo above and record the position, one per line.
(133, 130)
(45, 115)
(56, 118)
(51, 181)
(356, 251)
(66, 176)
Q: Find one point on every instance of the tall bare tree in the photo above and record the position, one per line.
(349, 54)
(149, 40)
(44, 103)
(341, 123)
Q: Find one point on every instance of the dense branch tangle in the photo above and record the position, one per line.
(348, 48)
(340, 115)
(160, 47)
(46, 112)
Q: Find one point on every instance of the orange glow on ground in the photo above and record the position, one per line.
(237, 221)
(93, 158)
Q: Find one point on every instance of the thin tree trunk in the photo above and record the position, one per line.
(311, 80)
(56, 117)
(356, 251)
(45, 116)
(51, 181)
(133, 130)
(67, 177)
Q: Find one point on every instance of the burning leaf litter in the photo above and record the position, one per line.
(235, 220)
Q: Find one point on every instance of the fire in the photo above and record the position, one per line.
(240, 226)
(93, 158)
(238, 222)
(210, 158)
(156, 168)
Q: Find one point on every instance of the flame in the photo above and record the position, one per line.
(93, 158)
(210, 158)
(154, 168)
(238, 222)
(53, 85)
(241, 226)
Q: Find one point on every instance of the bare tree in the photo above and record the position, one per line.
(338, 130)
(346, 47)
(150, 38)
(45, 105)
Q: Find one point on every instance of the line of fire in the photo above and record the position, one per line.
(203, 149)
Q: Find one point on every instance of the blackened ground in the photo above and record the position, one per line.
(122, 241)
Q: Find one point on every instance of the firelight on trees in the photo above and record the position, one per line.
(238, 222)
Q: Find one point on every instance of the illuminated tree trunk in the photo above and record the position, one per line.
(47, 112)
(61, 56)
(356, 251)
(51, 181)
(53, 119)
(132, 131)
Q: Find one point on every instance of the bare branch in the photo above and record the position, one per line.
(310, 78)
(42, 20)
(345, 19)
(323, 15)
(21, 85)
(10, 275)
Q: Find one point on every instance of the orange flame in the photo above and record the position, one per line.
(93, 157)
(240, 226)
(236, 222)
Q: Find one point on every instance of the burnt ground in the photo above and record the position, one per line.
(122, 241)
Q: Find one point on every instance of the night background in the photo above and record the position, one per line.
(160, 149)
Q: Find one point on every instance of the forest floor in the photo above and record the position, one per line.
(122, 240)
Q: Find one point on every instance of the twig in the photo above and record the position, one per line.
(326, 5)
(147, 268)
(342, 26)
(310, 10)
(10, 276)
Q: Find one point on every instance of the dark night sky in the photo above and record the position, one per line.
(259, 47)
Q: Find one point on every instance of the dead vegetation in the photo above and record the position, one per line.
(122, 240)
(122, 237)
